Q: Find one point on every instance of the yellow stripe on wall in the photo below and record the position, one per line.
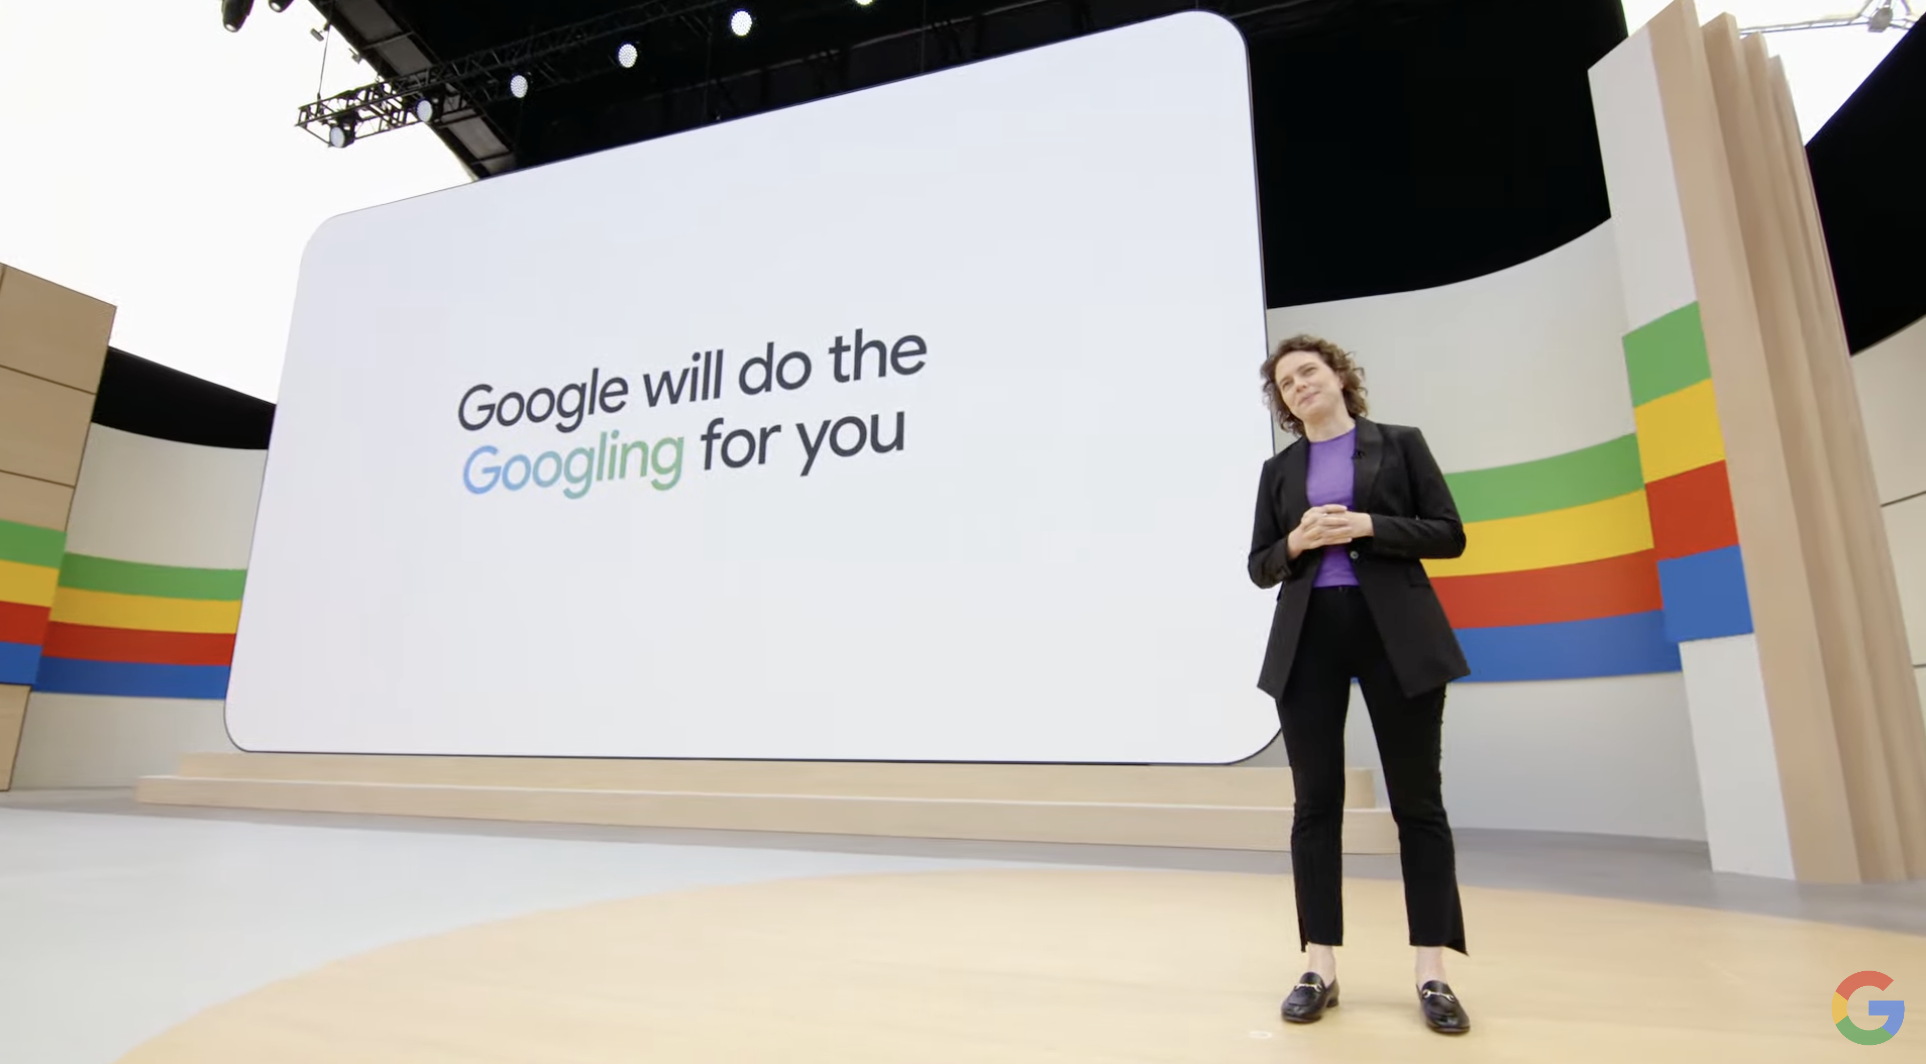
(31, 585)
(108, 610)
(1587, 533)
(1678, 433)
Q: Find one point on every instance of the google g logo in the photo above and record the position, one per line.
(1894, 1011)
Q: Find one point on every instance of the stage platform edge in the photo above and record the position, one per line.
(1202, 807)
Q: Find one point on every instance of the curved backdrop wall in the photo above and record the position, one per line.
(131, 631)
(154, 564)
(1574, 717)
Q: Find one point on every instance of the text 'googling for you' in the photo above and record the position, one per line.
(570, 405)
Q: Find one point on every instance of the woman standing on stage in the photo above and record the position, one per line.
(1343, 516)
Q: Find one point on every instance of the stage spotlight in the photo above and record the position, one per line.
(341, 131)
(234, 13)
(518, 86)
(424, 109)
(278, 6)
(626, 55)
(740, 23)
(864, 3)
(1882, 19)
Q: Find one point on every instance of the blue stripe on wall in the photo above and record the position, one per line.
(131, 679)
(19, 662)
(1705, 595)
(1626, 645)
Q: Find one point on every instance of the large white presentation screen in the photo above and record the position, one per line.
(919, 423)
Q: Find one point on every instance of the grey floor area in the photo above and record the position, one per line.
(1631, 869)
(119, 920)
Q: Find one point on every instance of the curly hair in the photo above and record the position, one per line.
(1341, 363)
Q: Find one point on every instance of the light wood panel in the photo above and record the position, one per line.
(1054, 967)
(43, 427)
(13, 714)
(34, 502)
(52, 332)
(1231, 827)
(1130, 805)
(1170, 784)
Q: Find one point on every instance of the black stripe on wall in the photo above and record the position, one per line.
(150, 399)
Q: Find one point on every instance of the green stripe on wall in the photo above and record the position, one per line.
(31, 544)
(1666, 355)
(86, 573)
(1606, 471)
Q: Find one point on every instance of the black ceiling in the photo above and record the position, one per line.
(1401, 144)
(693, 70)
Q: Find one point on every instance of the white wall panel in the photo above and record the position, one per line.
(1517, 365)
(94, 741)
(1891, 379)
(142, 499)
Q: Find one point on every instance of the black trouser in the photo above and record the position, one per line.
(1339, 642)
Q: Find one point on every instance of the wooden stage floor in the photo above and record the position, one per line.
(1056, 966)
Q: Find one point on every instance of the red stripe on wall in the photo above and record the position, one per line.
(20, 623)
(1611, 587)
(88, 643)
(1692, 512)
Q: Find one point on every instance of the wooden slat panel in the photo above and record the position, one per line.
(43, 427)
(52, 332)
(34, 502)
(1817, 811)
(1822, 505)
(1869, 558)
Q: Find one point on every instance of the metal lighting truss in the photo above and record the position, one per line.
(458, 90)
(461, 87)
(1875, 15)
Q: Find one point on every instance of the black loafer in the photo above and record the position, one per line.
(1309, 998)
(1442, 1009)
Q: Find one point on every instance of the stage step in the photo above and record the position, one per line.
(1184, 806)
(1175, 784)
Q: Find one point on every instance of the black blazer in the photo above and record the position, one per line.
(1412, 516)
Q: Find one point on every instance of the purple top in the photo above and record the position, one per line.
(1330, 480)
